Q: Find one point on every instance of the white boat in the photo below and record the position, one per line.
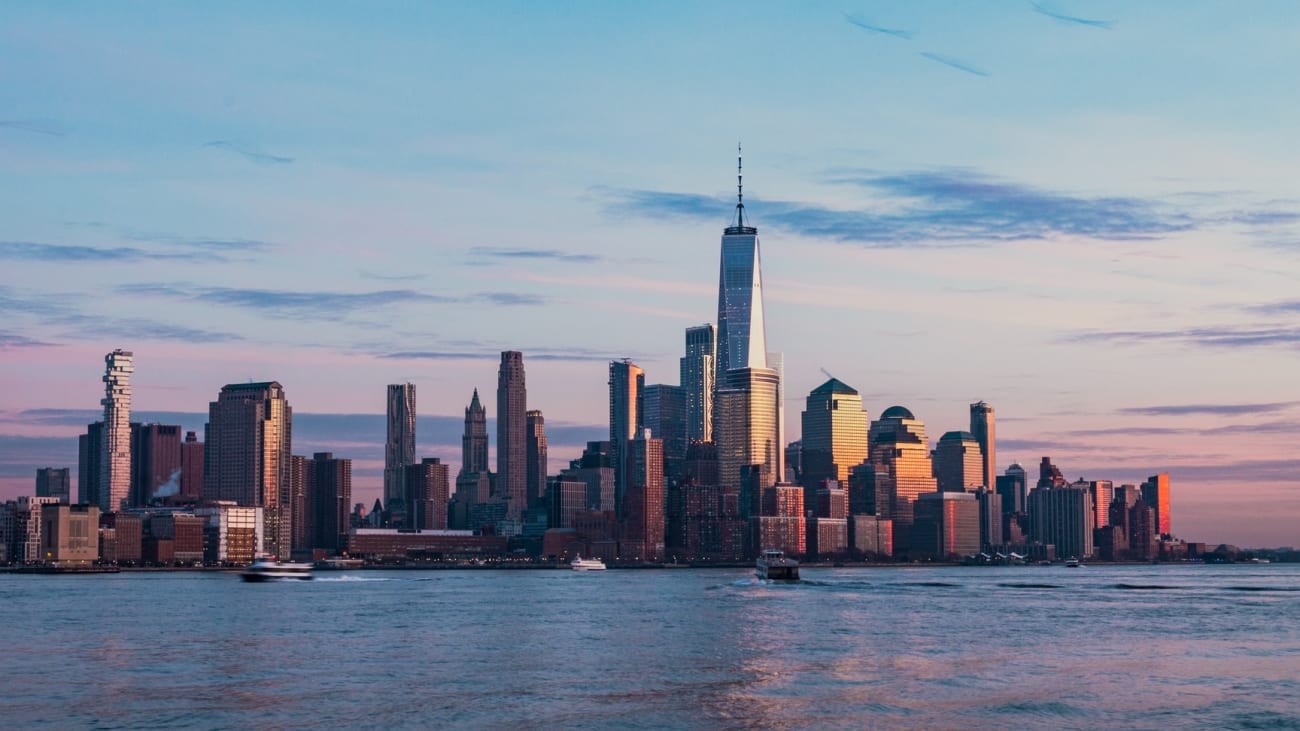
(1071, 563)
(587, 564)
(774, 566)
(265, 569)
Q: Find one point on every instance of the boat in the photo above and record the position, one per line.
(587, 564)
(773, 565)
(1071, 563)
(266, 569)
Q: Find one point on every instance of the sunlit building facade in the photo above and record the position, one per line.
(946, 526)
(958, 463)
(834, 433)
(1155, 492)
(626, 410)
(536, 456)
(899, 449)
(745, 425)
(247, 449)
(983, 426)
(115, 449)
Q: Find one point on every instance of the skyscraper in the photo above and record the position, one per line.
(512, 433)
(192, 466)
(745, 427)
(697, 378)
(247, 448)
(1155, 491)
(643, 525)
(742, 340)
(776, 362)
(1013, 487)
(115, 455)
(536, 449)
(54, 482)
(984, 428)
(155, 462)
(474, 443)
(90, 452)
(428, 490)
(958, 464)
(834, 434)
(399, 448)
(900, 450)
(626, 406)
(665, 417)
(329, 501)
(1062, 516)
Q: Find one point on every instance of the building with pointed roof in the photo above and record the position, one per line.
(834, 433)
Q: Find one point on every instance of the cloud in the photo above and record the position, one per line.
(539, 354)
(511, 299)
(1216, 409)
(954, 63)
(285, 303)
(13, 341)
(34, 251)
(1227, 336)
(38, 126)
(1075, 20)
(249, 153)
(57, 314)
(934, 208)
(862, 23)
(534, 254)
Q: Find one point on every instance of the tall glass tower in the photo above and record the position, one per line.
(115, 449)
(742, 340)
(399, 448)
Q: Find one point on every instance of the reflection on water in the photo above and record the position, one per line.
(1000, 647)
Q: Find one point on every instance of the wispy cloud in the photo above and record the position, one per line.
(1226, 336)
(249, 153)
(540, 354)
(37, 126)
(14, 341)
(285, 303)
(36, 251)
(1072, 19)
(954, 63)
(936, 208)
(1215, 409)
(534, 254)
(511, 299)
(866, 25)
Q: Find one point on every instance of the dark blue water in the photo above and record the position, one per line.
(1151, 647)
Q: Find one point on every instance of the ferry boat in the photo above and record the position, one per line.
(774, 566)
(265, 569)
(587, 564)
(1071, 563)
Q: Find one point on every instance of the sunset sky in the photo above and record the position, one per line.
(1085, 213)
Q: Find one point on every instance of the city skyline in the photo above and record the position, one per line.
(1102, 264)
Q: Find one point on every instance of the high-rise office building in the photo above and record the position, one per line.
(301, 473)
(665, 417)
(428, 491)
(899, 449)
(958, 464)
(247, 444)
(512, 434)
(474, 443)
(115, 452)
(1049, 475)
(742, 341)
(834, 433)
(1062, 516)
(192, 466)
(697, 378)
(155, 462)
(983, 426)
(399, 447)
(1102, 491)
(643, 522)
(329, 501)
(946, 525)
(1013, 487)
(54, 482)
(626, 410)
(1155, 491)
(90, 451)
(745, 428)
(776, 363)
(536, 453)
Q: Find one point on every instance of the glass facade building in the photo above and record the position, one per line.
(899, 449)
(697, 379)
(958, 462)
(983, 427)
(399, 447)
(746, 425)
(115, 455)
(834, 433)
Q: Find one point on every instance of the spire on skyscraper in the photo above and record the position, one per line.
(738, 226)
